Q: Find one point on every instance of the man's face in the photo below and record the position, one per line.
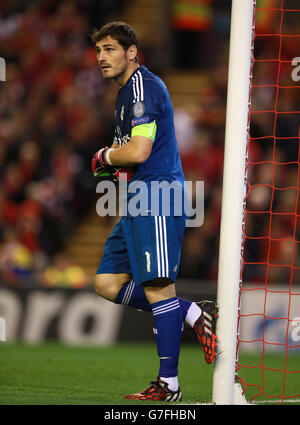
(112, 58)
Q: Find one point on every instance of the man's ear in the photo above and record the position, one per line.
(132, 52)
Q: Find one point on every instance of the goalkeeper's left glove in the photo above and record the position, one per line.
(114, 174)
(104, 171)
(99, 161)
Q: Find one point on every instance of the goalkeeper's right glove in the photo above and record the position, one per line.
(124, 173)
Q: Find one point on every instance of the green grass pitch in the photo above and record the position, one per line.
(55, 374)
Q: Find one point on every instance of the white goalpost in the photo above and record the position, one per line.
(225, 389)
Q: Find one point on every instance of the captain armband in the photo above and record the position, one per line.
(145, 130)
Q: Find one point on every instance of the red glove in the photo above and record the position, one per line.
(103, 170)
(124, 174)
(99, 161)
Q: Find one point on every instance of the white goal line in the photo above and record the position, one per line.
(292, 400)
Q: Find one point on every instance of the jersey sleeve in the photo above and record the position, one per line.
(146, 104)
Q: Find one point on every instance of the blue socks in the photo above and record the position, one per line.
(167, 328)
(134, 296)
(168, 316)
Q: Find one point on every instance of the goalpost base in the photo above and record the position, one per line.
(238, 396)
(2, 330)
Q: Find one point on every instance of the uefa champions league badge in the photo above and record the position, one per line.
(138, 109)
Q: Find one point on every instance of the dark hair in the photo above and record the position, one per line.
(120, 31)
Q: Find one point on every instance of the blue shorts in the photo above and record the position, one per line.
(146, 247)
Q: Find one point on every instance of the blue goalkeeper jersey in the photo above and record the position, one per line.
(144, 99)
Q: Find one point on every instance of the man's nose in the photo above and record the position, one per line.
(101, 57)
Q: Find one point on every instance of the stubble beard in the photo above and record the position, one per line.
(116, 75)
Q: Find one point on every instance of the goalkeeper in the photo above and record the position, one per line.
(141, 257)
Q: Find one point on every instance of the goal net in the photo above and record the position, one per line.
(268, 348)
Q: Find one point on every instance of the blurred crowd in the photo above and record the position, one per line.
(56, 111)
